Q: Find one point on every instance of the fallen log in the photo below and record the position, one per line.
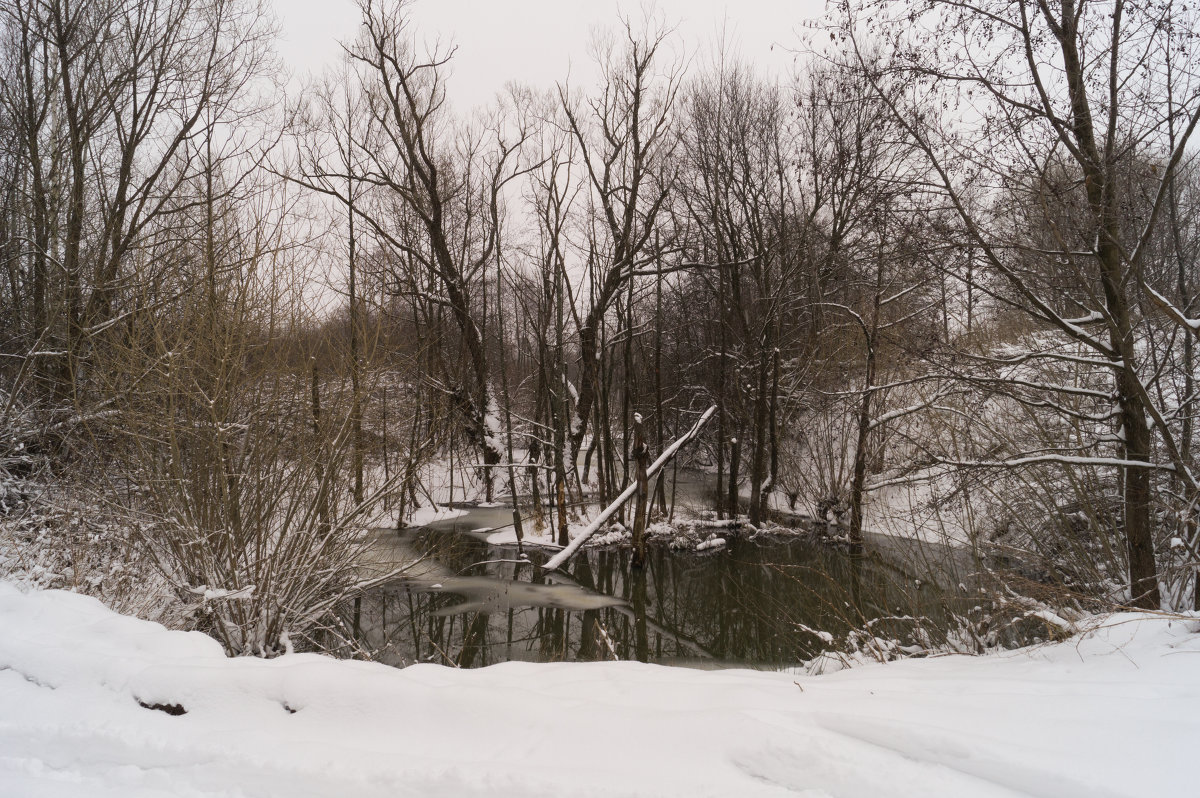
(558, 559)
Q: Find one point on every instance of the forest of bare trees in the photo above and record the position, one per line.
(946, 270)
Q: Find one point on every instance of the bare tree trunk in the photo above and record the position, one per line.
(642, 457)
(858, 480)
(563, 414)
(757, 459)
(512, 468)
(387, 475)
(323, 513)
(355, 359)
(734, 458)
(773, 475)
(870, 335)
(720, 442)
(660, 490)
(1102, 197)
(628, 387)
(560, 493)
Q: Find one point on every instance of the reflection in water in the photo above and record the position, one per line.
(748, 605)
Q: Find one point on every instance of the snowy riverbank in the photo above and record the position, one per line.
(1115, 712)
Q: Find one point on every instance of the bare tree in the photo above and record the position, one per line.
(624, 139)
(740, 187)
(432, 191)
(1044, 84)
(116, 104)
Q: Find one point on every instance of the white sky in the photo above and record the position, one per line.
(539, 42)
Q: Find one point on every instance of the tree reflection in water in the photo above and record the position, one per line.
(750, 605)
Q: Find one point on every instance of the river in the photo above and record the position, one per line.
(767, 602)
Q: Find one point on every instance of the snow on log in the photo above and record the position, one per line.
(558, 559)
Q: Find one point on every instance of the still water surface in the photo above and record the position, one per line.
(756, 603)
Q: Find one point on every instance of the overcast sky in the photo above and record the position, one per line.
(539, 42)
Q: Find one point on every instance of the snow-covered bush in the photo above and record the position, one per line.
(249, 514)
(239, 443)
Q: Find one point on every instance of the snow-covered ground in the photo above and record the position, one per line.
(1113, 712)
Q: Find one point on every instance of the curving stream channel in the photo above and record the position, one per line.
(765, 602)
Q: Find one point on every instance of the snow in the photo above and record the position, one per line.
(427, 515)
(547, 537)
(421, 516)
(1112, 712)
(492, 426)
(508, 537)
(217, 594)
(711, 543)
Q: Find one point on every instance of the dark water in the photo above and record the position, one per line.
(751, 604)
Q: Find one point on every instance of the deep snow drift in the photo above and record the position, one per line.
(1113, 712)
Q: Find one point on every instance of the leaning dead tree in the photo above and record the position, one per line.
(557, 560)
